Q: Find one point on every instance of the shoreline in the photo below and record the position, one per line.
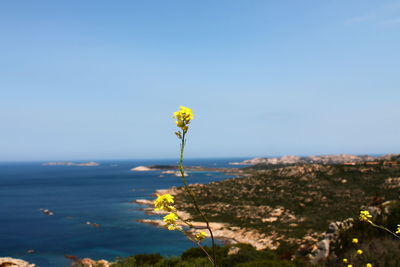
(224, 232)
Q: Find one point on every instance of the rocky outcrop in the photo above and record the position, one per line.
(142, 169)
(87, 262)
(322, 249)
(11, 262)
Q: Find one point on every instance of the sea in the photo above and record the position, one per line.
(80, 197)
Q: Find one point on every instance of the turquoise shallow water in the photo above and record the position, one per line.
(76, 194)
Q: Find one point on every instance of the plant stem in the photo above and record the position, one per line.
(189, 192)
(383, 228)
(198, 244)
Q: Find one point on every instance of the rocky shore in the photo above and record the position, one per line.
(222, 231)
(229, 234)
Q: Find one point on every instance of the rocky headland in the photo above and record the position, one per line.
(324, 159)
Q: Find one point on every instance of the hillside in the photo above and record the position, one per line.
(324, 159)
(299, 200)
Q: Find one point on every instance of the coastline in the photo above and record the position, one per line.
(222, 231)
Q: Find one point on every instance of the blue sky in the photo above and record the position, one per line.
(100, 79)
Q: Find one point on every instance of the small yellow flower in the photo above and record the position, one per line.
(170, 221)
(368, 265)
(200, 236)
(180, 124)
(365, 216)
(349, 265)
(398, 229)
(170, 218)
(173, 227)
(345, 260)
(183, 117)
(355, 240)
(164, 203)
(359, 252)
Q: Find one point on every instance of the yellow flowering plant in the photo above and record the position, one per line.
(358, 253)
(166, 202)
(365, 216)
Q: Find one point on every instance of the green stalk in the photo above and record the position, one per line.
(200, 246)
(189, 192)
(383, 228)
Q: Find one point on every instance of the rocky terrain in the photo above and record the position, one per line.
(295, 203)
(325, 159)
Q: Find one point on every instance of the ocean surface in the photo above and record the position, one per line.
(79, 194)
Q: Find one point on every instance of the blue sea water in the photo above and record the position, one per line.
(77, 194)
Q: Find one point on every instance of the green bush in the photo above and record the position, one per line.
(266, 263)
(176, 262)
(220, 252)
(150, 259)
(247, 253)
(138, 260)
(124, 262)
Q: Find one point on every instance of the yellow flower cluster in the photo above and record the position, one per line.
(200, 236)
(355, 241)
(164, 203)
(170, 221)
(365, 216)
(398, 229)
(183, 117)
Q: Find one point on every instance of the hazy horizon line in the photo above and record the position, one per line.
(193, 158)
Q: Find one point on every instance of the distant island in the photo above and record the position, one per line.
(67, 163)
(173, 169)
(155, 168)
(324, 159)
